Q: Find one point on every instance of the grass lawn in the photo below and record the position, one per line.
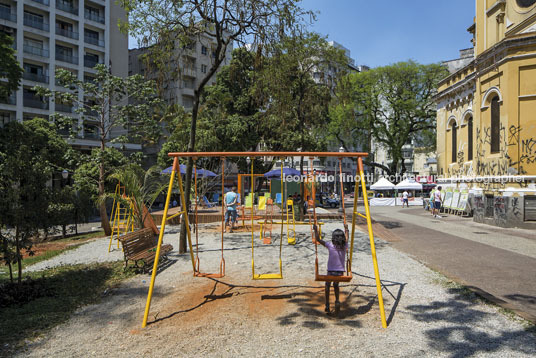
(43, 253)
(59, 292)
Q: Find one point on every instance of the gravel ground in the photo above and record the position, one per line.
(236, 316)
(94, 251)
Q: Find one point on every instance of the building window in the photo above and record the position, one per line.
(204, 68)
(204, 50)
(4, 118)
(454, 143)
(470, 138)
(495, 125)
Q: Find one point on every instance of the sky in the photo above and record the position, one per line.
(381, 32)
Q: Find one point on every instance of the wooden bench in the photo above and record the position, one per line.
(140, 246)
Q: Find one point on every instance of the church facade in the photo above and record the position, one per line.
(486, 117)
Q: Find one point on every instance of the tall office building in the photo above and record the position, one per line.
(71, 34)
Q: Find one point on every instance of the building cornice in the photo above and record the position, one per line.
(459, 86)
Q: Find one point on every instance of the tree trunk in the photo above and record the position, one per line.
(105, 223)
(19, 261)
(189, 169)
(10, 272)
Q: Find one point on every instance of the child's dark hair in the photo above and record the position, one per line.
(338, 239)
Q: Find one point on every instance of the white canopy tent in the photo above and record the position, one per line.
(382, 184)
(408, 184)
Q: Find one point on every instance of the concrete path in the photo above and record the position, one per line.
(499, 264)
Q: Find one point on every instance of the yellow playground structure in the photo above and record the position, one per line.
(122, 216)
(268, 220)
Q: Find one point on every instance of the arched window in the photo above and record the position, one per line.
(495, 125)
(454, 145)
(470, 138)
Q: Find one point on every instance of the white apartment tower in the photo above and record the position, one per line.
(193, 61)
(70, 34)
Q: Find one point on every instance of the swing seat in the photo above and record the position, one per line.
(209, 275)
(331, 278)
(268, 276)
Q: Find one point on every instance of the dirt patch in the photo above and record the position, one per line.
(40, 249)
(238, 229)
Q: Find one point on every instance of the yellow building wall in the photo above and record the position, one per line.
(515, 79)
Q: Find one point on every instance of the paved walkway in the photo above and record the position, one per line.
(499, 264)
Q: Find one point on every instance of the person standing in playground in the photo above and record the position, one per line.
(405, 199)
(336, 263)
(230, 201)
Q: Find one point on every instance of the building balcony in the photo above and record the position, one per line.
(11, 99)
(6, 15)
(35, 77)
(67, 58)
(37, 51)
(66, 108)
(93, 41)
(42, 2)
(34, 102)
(94, 17)
(91, 135)
(189, 71)
(35, 22)
(90, 62)
(66, 33)
(67, 8)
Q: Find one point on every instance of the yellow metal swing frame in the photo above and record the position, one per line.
(253, 155)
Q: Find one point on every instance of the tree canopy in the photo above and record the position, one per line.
(30, 153)
(113, 109)
(10, 69)
(392, 105)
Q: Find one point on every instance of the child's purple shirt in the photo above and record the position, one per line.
(336, 260)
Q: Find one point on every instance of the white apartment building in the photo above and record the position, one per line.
(70, 34)
(193, 62)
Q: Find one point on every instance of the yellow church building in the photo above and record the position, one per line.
(486, 116)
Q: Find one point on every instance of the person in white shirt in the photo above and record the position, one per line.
(437, 202)
(405, 199)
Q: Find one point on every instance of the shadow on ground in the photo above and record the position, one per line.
(306, 302)
(458, 338)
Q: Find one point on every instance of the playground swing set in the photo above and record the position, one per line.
(313, 222)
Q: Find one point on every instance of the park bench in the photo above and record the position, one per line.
(140, 246)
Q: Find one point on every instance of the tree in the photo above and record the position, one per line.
(124, 109)
(10, 69)
(142, 187)
(171, 27)
(297, 88)
(229, 117)
(393, 104)
(30, 153)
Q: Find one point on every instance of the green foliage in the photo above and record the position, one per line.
(10, 69)
(30, 153)
(142, 187)
(124, 108)
(297, 110)
(393, 104)
(115, 102)
(86, 175)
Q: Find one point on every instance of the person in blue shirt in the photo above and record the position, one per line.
(231, 202)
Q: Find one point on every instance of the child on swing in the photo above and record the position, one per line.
(336, 263)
